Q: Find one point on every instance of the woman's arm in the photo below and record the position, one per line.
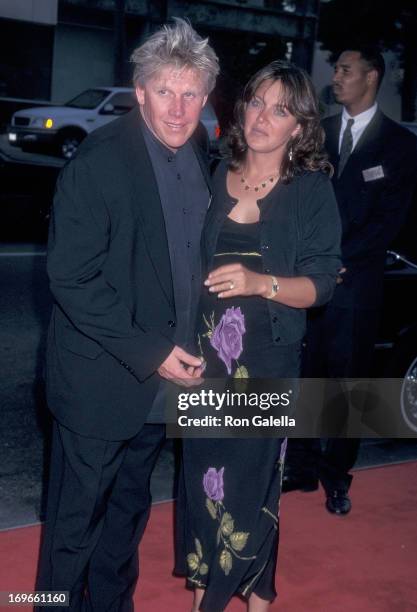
(318, 252)
(317, 263)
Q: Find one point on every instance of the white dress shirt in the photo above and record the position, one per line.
(360, 123)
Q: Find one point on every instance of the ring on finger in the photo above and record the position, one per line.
(232, 285)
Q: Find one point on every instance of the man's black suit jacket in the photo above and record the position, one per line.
(372, 211)
(113, 319)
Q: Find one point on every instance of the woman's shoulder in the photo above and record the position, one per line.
(313, 186)
(312, 191)
(312, 178)
(219, 188)
(218, 168)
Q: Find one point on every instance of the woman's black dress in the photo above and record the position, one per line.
(231, 487)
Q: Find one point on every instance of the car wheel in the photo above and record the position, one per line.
(409, 396)
(404, 366)
(69, 143)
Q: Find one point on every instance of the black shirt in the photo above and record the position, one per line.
(184, 198)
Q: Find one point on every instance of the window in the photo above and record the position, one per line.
(89, 99)
(122, 102)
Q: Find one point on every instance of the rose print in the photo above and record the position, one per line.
(226, 338)
(232, 541)
(213, 484)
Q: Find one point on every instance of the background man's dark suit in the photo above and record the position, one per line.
(341, 335)
(112, 326)
(372, 211)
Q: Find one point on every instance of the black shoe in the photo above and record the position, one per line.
(338, 502)
(292, 483)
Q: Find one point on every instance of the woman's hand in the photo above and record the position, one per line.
(234, 279)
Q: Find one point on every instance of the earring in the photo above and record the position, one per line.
(290, 154)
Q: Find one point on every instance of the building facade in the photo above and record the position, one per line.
(53, 49)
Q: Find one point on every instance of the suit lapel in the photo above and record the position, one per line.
(368, 142)
(201, 158)
(370, 137)
(145, 193)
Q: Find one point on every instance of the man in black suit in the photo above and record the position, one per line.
(375, 163)
(124, 268)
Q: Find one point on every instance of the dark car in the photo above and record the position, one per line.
(396, 349)
(26, 193)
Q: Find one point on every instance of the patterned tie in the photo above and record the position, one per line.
(346, 146)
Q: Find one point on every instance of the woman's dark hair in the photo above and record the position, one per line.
(300, 99)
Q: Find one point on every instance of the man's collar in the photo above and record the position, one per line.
(363, 118)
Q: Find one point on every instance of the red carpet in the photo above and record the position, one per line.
(365, 562)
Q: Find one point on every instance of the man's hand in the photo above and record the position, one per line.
(182, 368)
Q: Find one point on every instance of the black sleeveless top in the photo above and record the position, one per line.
(234, 334)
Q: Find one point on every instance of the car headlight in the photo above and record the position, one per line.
(42, 122)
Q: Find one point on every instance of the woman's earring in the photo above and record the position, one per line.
(290, 154)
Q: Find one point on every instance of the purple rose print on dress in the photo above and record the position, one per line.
(227, 336)
(213, 484)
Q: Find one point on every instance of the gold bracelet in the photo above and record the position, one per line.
(274, 289)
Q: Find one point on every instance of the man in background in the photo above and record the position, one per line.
(375, 163)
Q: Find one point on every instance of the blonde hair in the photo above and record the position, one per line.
(176, 45)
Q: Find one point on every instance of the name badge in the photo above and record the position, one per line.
(372, 174)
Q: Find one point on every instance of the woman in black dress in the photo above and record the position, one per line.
(272, 245)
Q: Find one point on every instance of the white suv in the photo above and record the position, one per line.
(62, 128)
